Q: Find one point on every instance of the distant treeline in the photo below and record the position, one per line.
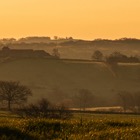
(114, 57)
(70, 41)
(78, 49)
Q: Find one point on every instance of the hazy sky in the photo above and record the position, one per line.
(86, 19)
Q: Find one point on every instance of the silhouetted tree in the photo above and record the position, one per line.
(127, 100)
(97, 55)
(84, 98)
(13, 92)
(56, 53)
(35, 39)
(56, 37)
(137, 100)
(116, 57)
(44, 109)
(39, 109)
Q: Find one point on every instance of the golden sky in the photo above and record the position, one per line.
(85, 19)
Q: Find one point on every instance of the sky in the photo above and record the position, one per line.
(81, 19)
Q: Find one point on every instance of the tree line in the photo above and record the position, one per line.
(114, 57)
(15, 94)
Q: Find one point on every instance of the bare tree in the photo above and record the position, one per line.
(127, 100)
(13, 92)
(44, 109)
(84, 98)
(56, 53)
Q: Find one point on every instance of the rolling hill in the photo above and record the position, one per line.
(60, 80)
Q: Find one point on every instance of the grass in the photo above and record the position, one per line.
(80, 127)
(70, 76)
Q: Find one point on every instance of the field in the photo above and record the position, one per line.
(79, 127)
(60, 80)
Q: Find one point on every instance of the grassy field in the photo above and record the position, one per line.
(79, 127)
(69, 76)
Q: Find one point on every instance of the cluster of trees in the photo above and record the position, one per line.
(34, 39)
(119, 57)
(74, 42)
(115, 57)
(44, 109)
(43, 42)
(13, 94)
(130, 101)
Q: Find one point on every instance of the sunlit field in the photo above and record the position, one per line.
(79, 127)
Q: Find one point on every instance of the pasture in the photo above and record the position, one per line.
(61, 80)
(79, 127)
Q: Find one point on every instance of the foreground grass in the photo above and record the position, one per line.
(80, 127)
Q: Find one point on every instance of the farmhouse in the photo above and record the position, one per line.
(23, 53)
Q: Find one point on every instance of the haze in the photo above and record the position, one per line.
(86, 19)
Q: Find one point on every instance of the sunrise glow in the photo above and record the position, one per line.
(86, 19)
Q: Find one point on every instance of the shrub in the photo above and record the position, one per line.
(44, 109)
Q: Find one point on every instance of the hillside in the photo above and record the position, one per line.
(60, 80)
(76, 48)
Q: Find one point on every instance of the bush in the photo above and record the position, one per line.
(13, 134)
(44, 109)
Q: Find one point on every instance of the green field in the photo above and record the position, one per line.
(79, 127)
(69, 76)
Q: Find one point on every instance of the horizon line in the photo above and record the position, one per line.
(59, 38)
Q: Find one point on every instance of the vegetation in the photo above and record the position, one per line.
(97, 56)
(61, 80)
(130, 101)
(75, 48)
(56, 53)
(44, 109)
(90, 127)
(84, 99)
(13, 93)
(76, 83)
(116, 57)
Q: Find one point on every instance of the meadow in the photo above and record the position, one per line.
(79, 127)
(61, 80)
(43, 75)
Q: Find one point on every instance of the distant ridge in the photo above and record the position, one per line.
(23, 53)
(75, 48)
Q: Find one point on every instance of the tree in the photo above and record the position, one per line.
(55, 37)
(56, 53)
(137, 101)
(13, 92)
(97, 55)
(84, 98)
(44, 109)
(127, 100)
(39, 109)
